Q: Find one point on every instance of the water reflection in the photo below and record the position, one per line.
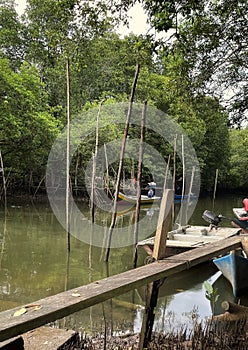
(34, 263)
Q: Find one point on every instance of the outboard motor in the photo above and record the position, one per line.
(211, 218)
(215, 220)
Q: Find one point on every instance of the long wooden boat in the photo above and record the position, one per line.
(190, 237)
(156, 199)
(132, 199)
(234, 267)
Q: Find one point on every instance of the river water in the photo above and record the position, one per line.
(34, 263)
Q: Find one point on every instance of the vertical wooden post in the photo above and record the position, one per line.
(183, 183)
(67, 156)
(215, 186)
(164, 220)
(123, 146)
(158, 253)
(166, 173)
(174, 173)
(107, 171)
(92, 195)
(4, 181)
(189, 193)
(141, 152)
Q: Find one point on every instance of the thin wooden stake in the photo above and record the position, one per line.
(107, 171)
(67, 156)
(183, 161)
(112, 225)
(92, 204)
(139, 176)
(215, 186)
(183, 181)
(174, 175)
(4, 181)
(166, 173)
(189, 193)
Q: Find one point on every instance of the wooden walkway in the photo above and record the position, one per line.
(66, 303)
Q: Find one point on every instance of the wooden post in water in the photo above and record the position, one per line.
(166, 173)
(92, 194)
(215, 186)
(118, 180)
(68, 157)
(183, 182)
(174, 174)
(164, 220)
(158, 253)
(4, 182)
(141, 152)
(190, 192)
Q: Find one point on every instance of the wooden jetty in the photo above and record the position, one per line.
(189, 237)
(63, 304)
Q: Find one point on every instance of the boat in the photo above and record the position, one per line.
(185, 197)
(234, 267)
(155, 199)
(189, 237)
(133, 199)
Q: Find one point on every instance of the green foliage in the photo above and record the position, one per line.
(27, 128)
(11, 34)
(238, 159)
(211, 294)
(212, 36)
(33, 81)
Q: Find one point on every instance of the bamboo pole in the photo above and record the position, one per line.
(141, 153)
(68, 156)
(112, 225)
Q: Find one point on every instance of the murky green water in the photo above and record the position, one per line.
(34, 263)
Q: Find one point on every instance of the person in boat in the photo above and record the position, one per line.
(245, 202)
(152, 188)
(150, 193)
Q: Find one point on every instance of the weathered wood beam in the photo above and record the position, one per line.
(164, 219)
(66, 303)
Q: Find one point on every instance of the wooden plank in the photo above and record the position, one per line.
(66, 303)
(163, 225)
(49, 338)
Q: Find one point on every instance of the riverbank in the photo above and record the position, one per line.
(211, 335)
